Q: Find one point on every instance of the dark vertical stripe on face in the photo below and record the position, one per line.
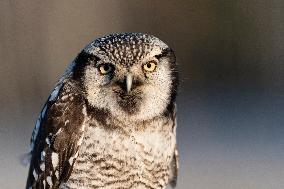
(82, 60)
(170, 55)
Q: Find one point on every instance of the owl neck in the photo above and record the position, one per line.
(105, 119)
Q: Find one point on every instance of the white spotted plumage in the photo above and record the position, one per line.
(54, 159)
(42, 166)
(112, 129)
(49, 181)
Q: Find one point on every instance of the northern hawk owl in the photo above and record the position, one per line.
(110, 122)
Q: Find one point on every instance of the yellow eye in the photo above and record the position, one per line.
(150, 66)
(105, 68)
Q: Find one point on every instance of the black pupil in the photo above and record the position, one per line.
(106, 67)
(148, 65)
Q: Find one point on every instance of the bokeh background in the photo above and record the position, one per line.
(230, 55)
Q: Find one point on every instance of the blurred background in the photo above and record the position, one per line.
(231, 98)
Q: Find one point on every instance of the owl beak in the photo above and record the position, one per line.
(128, 82)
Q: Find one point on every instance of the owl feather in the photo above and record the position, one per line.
(110, 122)
(56, 146)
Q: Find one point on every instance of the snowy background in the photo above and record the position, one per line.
(231, 101)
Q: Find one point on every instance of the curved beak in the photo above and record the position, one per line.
(129, 79)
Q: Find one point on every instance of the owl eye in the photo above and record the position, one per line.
(105, 68)
(150, 66)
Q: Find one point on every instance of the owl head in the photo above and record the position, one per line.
(129, 75)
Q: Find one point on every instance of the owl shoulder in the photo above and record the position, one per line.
(59, 137)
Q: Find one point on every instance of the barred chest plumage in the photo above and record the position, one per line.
(124, 158)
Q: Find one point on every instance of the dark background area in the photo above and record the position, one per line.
(231, 100)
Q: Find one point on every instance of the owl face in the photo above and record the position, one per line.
(129, 75)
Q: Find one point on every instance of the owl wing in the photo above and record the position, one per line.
(175, 161)
(56, 138)
(174, 169)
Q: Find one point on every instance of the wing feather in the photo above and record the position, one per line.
(56, 140)
(175, 161)
(174, 169)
